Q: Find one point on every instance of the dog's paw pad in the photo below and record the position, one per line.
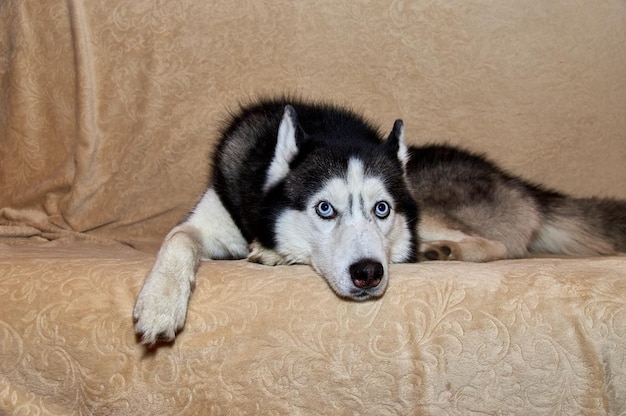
(438, 251)
(437, 254)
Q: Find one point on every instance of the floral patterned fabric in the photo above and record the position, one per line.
(108, 112)
(537, 336)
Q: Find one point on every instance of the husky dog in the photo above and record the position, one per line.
(297, 182)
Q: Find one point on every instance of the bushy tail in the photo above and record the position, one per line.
(581, 227)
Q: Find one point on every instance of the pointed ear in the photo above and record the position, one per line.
(395, 143)
(288, 130)
(290, 135)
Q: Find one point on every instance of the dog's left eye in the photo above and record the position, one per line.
(325, 210)
(382, 209)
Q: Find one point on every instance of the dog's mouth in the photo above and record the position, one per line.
(352, 291)
(361, 295)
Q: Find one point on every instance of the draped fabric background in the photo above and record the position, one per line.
(108, 111)
(109, 106)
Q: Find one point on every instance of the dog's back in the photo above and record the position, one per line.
(474, 211)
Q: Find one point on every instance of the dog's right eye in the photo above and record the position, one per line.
(325, 210)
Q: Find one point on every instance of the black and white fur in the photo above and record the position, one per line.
(297, 182)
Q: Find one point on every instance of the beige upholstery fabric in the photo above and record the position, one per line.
(108, 111)
(540, 336)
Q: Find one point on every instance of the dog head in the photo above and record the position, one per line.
(341, 204)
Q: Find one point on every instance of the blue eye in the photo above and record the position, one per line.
(325, 210)
(382, 209)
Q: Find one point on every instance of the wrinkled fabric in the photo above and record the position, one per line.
(109, 110)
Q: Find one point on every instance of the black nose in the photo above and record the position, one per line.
(366, 273)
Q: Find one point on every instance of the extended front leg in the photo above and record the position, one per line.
(161, 306)
(208, 233)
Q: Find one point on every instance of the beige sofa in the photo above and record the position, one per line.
(108, 110)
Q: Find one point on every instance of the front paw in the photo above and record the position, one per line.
(161, 309)
(259, 254)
